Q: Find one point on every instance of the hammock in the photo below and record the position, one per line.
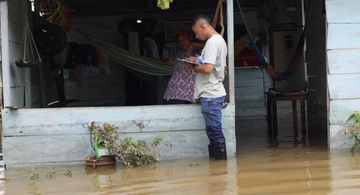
(128, 59)
(269, 70)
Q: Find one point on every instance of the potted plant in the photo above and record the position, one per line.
(354, 132)
(105, 137)
(21, 63)
(106, 144)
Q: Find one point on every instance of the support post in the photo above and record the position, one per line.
(230, 43)
(5, 53)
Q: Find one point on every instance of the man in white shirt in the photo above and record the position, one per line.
(209, 88)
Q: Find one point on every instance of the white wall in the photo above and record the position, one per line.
(343, 51)
(17, 75)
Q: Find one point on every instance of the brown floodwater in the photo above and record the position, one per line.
(290, 166)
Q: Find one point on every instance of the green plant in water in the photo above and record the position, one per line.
(138, 153)
(69, 173)
(34, 176)
(131, 153)
(51, 175)
(354, 132)
(5, 179)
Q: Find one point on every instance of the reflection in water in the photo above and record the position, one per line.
(286, 165)
(33, 188)
(102, 177)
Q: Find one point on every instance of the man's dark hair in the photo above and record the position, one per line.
(201, 17)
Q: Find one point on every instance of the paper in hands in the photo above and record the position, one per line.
(194, 63)
(188, 61)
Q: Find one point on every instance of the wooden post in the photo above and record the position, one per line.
(269, 113)
(230, 43)
(295, 121)
(5, 53)
(274, 117)
(303, 119)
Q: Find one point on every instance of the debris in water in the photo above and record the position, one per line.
(69, 173)
(51, 175)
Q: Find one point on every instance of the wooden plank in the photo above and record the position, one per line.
(246, 74)
(239, 91)
(18, 96)
(16, 12)
(64, 148)
(68, 121)
(17, 75)
(97, 103)
(74, 148)
(344, 61)
(249, 83)
(250, 104)
(16, 32)
(28, 87)
(343, 36)
(340, 110)
(344, 86)
(240, 112)
(342, 11)
(251, 97)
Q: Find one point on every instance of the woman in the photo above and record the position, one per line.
(180, 89)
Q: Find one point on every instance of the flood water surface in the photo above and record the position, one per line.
(286, 166)
(266, 171)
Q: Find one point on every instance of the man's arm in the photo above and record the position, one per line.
(204, 69)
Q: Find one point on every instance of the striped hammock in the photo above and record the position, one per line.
(128, 59)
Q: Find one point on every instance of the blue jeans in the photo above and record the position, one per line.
(211, 109)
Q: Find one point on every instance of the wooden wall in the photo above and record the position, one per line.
(316, 63)
(102, 89)
(343, 51)
(50, 136)
(251, 84)
(16, 23)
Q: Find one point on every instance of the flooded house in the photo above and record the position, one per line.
(301, 62)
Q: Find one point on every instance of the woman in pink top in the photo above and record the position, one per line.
(180, 89)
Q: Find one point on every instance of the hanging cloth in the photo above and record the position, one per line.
(164, 4)
(220, 8)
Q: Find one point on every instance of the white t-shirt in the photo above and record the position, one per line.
(210, 85)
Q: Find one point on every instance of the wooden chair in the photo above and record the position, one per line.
(273, 97)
